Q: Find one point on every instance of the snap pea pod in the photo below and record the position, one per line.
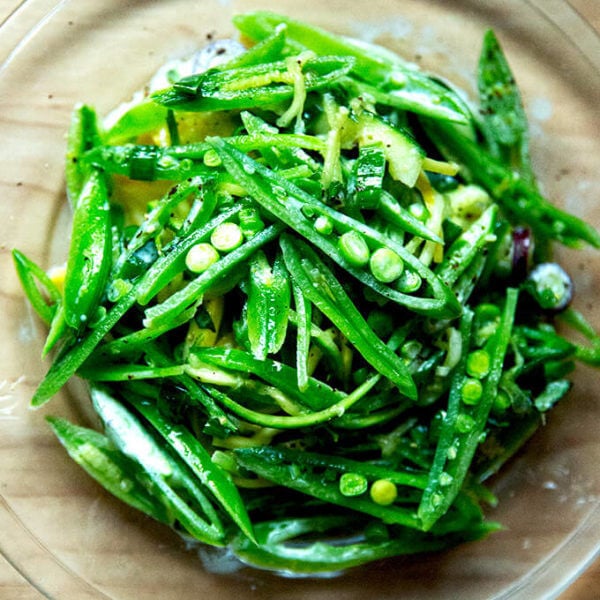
(181, 300)
(112, 469)
(317, 396)
(282, 455)
(268, 305)
(261, 85)
(177, 163)
(300, 480)
(268, 50)
(156, 219)
(406, 87)
(324, 340)
(83, 135)
(504, 122)
(320, 286)
(30, 274)
(294, 214)
(129, 372)
(193, 453)
(136, 342)
(140, 118)
(132, 438)
(457, 444)
(90, 256)
(277, 550)
(128, 434)
(67, 363)
(468, 246)
(303, 328)
(173, 262)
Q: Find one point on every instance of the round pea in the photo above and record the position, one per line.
(408, 282)
(471, 391)
(227, 237)
(324, 225)
(464, 423)
(386, 265)
(200, 257)
(354, 248)
(383, 492)
(353, 484)
(478, 364)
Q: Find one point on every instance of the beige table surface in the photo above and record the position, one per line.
(15, 587)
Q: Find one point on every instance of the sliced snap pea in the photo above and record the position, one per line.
(198, 459)
(90, 254)
(261, 85)
(83, 135)
(193, 291)
(128, 434)
(320, 286)
(317, 396)
(461, 432)
(278, 548)
(266, 187)
(45, 300)
(268, 305)
(398, 83)
(109, 467)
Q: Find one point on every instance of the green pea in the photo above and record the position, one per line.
(383, 492)
(471, 391)
(353, 484)
(408, 282)
(501, 402)
(324, 225)
(200, 257)
(478, 364)
(464, 424)
(227, 237)
(354, 248)
(386, 265)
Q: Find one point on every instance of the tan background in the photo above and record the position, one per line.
(14, 587)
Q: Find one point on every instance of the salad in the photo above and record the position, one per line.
(311, 288)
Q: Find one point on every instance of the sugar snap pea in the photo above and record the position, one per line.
(90, 254)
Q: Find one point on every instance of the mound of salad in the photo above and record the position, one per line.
(311, 288)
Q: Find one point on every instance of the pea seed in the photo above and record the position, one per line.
(478, 364)
(354, 248)
(471, 391)
(383, 492)
(323, 225)
(386, 265)
(353, 484)
(200, 257)
(227, 237)
(408, 282)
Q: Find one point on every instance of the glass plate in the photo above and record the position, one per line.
(66, 536)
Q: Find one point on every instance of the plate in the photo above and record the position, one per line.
(66, 536)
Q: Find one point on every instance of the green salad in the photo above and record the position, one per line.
(312, 290)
